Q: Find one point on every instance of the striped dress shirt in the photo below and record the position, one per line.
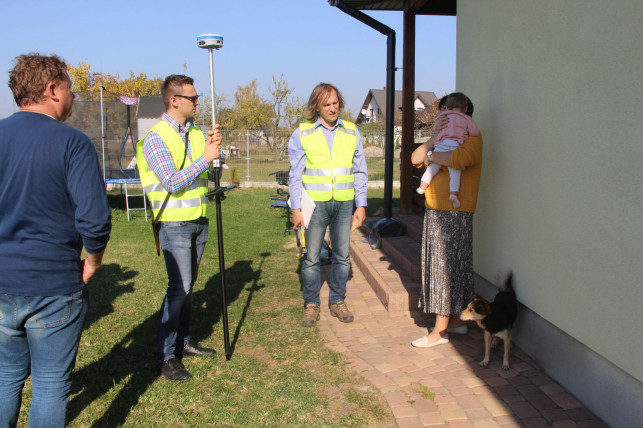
(160, 160)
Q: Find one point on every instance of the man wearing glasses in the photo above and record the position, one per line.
(173, 160)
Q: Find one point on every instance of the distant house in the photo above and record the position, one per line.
(374, 106)
(148, 114)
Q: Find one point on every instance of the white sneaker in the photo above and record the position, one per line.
(461, 329)
(423, 342)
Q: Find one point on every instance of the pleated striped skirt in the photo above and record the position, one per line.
(447, 262)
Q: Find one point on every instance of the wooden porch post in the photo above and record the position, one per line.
(408, 113)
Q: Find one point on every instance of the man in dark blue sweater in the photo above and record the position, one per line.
(52, 204)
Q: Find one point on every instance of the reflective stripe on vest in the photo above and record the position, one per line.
(158, 187)
(178, 203)
(191, 202)
(329, 176)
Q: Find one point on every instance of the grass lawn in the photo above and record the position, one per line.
(280, 373)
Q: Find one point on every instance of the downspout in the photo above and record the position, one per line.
(390, 96)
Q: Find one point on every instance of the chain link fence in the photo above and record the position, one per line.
(253, 157)
(116, 151)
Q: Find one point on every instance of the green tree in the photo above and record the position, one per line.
(347, 115)
(270, 119)
(288, 113)
(289, 110)
(203, 116)
(373, 133)
(249, 111)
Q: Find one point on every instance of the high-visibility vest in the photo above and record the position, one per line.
(329, 176)
(191, 202)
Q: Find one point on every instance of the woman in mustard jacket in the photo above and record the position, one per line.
(447, 242)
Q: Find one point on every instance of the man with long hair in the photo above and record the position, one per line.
(327, 163)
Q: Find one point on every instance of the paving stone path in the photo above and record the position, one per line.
(444, 385)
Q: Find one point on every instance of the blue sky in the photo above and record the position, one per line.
(308, 41)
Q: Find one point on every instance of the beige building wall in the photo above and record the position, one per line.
(558, 94)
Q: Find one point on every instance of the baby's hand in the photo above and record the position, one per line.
(441, 122)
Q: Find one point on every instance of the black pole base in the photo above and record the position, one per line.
(218, 194)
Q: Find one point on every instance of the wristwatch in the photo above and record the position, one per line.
(428, 155)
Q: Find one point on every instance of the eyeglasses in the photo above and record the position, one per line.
(194, 98)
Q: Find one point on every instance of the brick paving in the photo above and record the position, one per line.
(443, 385)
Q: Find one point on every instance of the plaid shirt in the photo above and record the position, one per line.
(160, 160)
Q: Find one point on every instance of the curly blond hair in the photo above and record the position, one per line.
(31, 74)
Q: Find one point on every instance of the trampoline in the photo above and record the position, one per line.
(127, 182)
(126, 177)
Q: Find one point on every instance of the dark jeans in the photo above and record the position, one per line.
(183, 244)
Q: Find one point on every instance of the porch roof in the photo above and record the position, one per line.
(419, 7)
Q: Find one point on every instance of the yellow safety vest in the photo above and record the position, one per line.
(329, 176)
(191, 202)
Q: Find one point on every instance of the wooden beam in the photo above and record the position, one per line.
(408, 113)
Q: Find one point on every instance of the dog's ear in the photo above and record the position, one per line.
(480, 305)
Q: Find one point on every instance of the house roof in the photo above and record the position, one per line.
(380, 98)
(419, 7)
(150, 108)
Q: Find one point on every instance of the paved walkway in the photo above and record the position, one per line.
(444, 385)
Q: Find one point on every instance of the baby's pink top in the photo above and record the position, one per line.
(459, 128)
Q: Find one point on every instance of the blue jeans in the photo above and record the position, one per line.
(183, 243)
(338, 215)
(39, 335)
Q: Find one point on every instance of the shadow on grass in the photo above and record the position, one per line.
(254, 286)
(110, 282)
(131, 359)
(207, 308)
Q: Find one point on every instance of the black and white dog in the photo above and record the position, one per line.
(495, 318)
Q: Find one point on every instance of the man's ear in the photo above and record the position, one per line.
(174, 103)
(51, 91)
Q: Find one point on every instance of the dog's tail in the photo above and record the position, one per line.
(507, 284)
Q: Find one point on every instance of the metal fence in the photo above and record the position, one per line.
(251, 159)
(252, 156)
